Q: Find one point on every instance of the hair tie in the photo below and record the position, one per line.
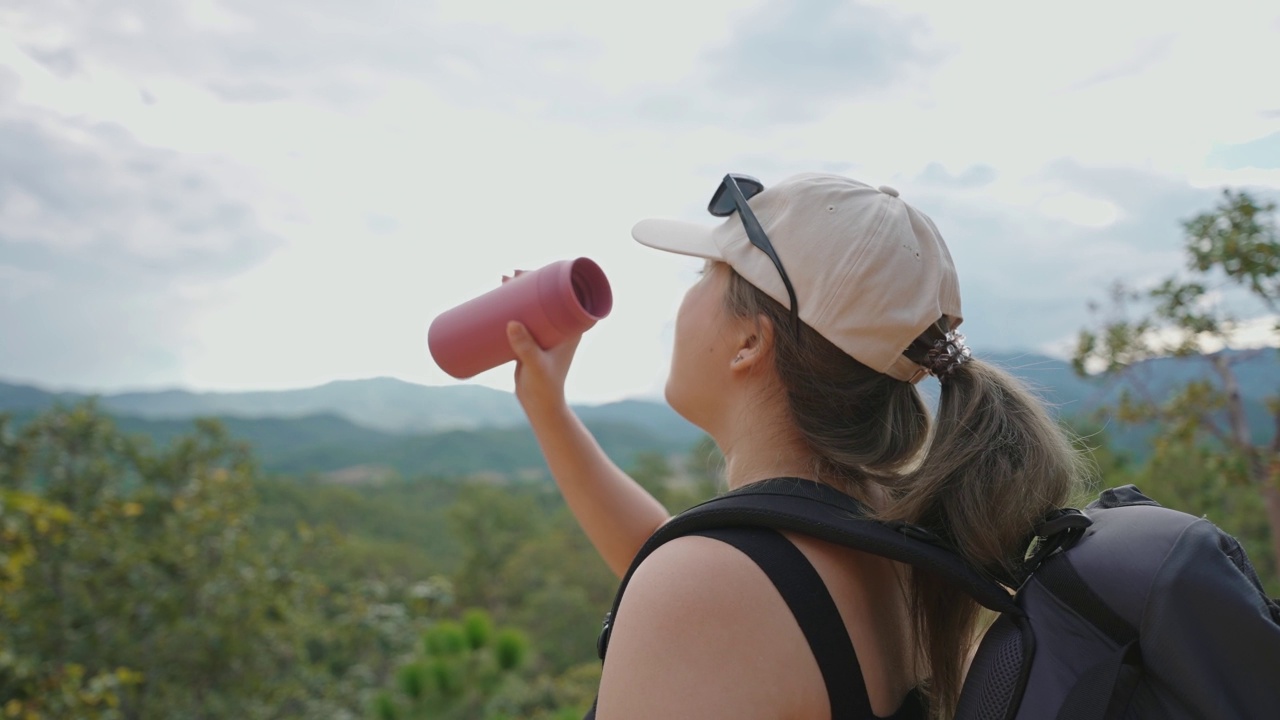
(947, 353)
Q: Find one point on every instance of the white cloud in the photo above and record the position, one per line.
(1079, 209)
(404, 156)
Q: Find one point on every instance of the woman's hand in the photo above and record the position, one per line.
(540, 374)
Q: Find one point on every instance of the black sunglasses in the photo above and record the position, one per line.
(732, 195)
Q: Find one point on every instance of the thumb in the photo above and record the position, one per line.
(521, 341)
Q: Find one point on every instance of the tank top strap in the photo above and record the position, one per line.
(815, 611)
(804, 592)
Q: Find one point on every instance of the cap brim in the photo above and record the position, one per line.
(677, 236)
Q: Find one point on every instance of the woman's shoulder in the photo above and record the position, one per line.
(701, 632)
(699, 583)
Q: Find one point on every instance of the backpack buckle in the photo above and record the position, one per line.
(1059, 530)
(1063, 520)
(606, 629)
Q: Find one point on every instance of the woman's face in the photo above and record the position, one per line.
(704, 348)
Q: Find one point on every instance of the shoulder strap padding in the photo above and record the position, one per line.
(823, 512)
(997, 677)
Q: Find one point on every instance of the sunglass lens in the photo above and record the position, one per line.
(722, 203)
(750, 186)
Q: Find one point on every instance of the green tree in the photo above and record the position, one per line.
(136, 585)
(559, 590)
(653, 472)
(693, 478)
(490, 523)
(30, 687)
(1232, 277)
(701, 477)
(458, 671)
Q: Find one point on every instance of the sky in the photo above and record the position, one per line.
(235, 194)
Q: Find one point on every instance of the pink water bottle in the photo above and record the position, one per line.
(555, 302)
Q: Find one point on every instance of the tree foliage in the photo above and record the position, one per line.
(135, 585)
(462, 667)
(1231, 281)
(142, 581)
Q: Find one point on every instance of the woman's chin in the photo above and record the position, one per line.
(673, 399)
(685, 408)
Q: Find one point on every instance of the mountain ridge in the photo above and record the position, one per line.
(398, 406)
(423, 428)
(380, 403)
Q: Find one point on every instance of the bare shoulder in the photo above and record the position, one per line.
(701, 632)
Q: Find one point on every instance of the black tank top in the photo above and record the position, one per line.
(819, 618)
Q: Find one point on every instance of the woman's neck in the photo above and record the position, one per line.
(764, 444)
(762, 441)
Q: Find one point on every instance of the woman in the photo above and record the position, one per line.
(823, 302)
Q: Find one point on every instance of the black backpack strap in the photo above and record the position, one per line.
(825, 513)
(1105, 687)
(802, 588)
(1059, 577)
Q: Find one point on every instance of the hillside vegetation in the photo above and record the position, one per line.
(176, 579)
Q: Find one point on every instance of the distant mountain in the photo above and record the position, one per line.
(336, 449)
(382, 404)
(1073, 397)
(378, 403)
(396, 406)
(414, 429)
(1054, 380)
(1258, 373)
(654, 417)
(369, 426)
(327, 444)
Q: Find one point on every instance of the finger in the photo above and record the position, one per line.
(521, 341)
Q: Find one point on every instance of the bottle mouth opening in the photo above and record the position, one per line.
(591, 288)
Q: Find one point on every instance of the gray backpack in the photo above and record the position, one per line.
(1127, 610)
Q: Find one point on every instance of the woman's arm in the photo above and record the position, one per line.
(617, 514)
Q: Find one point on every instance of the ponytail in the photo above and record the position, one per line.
(996, 464)
(992, 465)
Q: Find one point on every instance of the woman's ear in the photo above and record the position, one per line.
(755, 343)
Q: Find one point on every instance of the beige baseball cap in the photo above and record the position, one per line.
(870, 271)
